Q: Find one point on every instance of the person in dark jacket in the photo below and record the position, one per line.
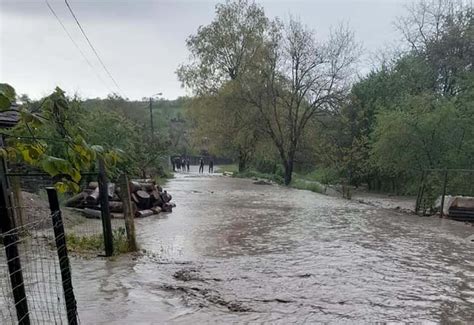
(211, 166)
(201, 166)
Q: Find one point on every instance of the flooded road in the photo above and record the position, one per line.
(232, 251)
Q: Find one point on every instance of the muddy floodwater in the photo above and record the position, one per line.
(232, 251)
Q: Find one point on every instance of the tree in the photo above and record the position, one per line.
(221, 54)
(298, 78)
(442, 33)
(229, 125)
(48, 137)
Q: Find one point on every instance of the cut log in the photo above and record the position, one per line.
(144, 180)
(156, 210)
(149, 187)
(93, 198)
(115, 206)
(144, 213)
(155, 196)
(93, 185)
(167, 207)
(143, 199)
(111, 190)
(76, 201)
(166, 197)
(134, 198)
(90, 213)
(135, 187)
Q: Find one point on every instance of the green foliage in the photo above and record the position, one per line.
(84, 243)
(7, 96)
(64, 138)
(303, 184)
(95, 243)
(412, 113)
(326, 176)
(249, 173)
(48, 137)
(233, 168)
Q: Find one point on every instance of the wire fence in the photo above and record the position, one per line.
(34, 268)
(438, 184)
(84, 226)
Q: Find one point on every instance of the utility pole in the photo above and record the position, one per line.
(152, 128)
(151, 118)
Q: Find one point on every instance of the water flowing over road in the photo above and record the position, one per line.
(233, 251)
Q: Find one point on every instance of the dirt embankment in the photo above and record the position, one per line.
(35, 208)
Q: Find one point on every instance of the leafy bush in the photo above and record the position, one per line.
(325, 176)
(303, 184)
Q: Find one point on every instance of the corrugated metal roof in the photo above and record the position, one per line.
(10, 118)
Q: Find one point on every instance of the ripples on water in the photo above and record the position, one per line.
(233, 251)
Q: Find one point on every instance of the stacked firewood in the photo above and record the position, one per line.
(147, 199)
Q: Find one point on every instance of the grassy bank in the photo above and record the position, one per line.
(303, 184)
(310, 182)
(94, 243)
(232, 168)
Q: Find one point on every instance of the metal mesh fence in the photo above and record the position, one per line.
(40, 270)
(84, 231)
(437, 183)
(86, 235)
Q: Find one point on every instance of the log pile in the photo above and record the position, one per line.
(147, 199)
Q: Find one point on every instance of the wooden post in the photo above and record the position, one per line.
(10, 239)
(418, 197)
(17, 200)
(445, 182)
(59, 235)
(128, 213)
(104, 209)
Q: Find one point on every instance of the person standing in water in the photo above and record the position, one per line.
(211, 166)
(201, 166)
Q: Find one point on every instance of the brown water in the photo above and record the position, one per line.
(233, 251)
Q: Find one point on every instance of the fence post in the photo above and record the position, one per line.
(104, 208)
(445, 181)
(128, 213)
(60, 237)
(18, 200)
(10, 239)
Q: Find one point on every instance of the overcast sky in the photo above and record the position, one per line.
(143, 42)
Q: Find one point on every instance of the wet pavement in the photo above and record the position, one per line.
(233, 251)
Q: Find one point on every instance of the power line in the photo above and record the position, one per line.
(77, 46)
(92, 47)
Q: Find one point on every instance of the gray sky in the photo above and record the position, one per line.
(143, 42)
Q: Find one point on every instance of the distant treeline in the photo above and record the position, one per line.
(279, 100)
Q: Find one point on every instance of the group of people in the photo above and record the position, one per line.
(201, 166)
(182, 164)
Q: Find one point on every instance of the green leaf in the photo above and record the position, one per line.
(5, 103)
(61, 187)
(75, 175)
(8, 91)
(7, 96)
(55, 166)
